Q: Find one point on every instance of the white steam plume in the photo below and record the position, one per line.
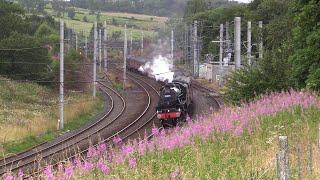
(159, 68)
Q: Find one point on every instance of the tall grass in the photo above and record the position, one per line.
(29, 111)
(235, 143)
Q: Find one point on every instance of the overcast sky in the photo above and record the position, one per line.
(244, 1)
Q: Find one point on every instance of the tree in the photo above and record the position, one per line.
(306, 58)
(85, 19)
(60, 7)
(194, 6)
(44, 30)
(11, 19)
(116, 35)
(32, 53)
(71, 13)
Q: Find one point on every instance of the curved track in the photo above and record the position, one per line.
(78, 141)
(28, 158)
(116, 122)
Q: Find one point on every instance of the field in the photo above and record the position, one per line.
(136, 23)
(29, 114)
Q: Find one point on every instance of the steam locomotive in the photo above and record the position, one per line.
(175, 103)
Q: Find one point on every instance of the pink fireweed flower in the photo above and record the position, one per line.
(92, 152)
(102, 148)
(117, 140)
(118, 159)
(132, 163)
(155, 131)
(20, 174)
(87, 166)
(142, 147)
(8, 176)
(77, 163)
(48, 172)
(188, 119)
(103, 167)
(127, 150)
(174, 174)
(68, 171)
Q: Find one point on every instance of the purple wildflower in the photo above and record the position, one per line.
(175, 174)
(155, 131)
(132, 163)
(127, 150)
(142, 147)
(68, 171)
(20, 173)
(103, 167)
(48, 172)
(77, 163)
(102, 148)
(9, 177)
(92, 152)
(117, 140)
(87, 166)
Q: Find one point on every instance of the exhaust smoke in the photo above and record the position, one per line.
(159, 68)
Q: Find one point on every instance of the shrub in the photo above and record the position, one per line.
(85, 19)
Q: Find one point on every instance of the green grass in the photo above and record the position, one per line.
(225, 156)
(29, 113)
(30, 141)
(136, 23)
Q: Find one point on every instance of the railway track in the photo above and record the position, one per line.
(55, 151)
(30, 158)
(77, 143)
(216, 97)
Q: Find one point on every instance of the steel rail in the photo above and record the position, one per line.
(115, 134)
(16, 161)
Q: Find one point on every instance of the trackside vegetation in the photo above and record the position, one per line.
(29, 114)
(290, 37)
(29, 79)
(234, 143)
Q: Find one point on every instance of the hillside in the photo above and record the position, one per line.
(168, 8)
(83, 20)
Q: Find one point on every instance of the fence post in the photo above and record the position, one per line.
(319, 136)
(277, 166)
(299, 161)
(284, 168)
(310, 160)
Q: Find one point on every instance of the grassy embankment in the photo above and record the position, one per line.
(251, 154)
(115, 21)
(229, 157)
(29, 114)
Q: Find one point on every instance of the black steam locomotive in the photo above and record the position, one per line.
(175, 103)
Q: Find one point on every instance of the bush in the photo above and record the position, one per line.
(36, 63)
(71, 13)
(270, 74)
(313, 81)
(85, 19)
